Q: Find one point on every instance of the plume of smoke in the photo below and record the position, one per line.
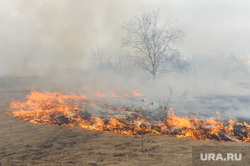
(47, 45)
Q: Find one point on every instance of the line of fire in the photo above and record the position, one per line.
(77, 110)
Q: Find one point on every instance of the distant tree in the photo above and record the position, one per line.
(150, 42)
(120, 61)
(98, 56)
(176, 62)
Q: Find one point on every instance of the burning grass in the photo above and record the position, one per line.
(75, 110)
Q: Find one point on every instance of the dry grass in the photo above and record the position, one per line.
(23, 143)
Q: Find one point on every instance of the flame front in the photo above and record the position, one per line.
(73, 110)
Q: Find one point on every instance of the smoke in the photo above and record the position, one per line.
(47, 45)
(56, 35)
(43, 36)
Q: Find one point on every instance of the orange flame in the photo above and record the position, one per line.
(70, 110)
(98, 93)
(114, 95)
(126, 95)
(137, 94)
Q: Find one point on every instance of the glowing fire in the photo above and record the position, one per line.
(114, 95)
(99, 94)
(137, 94)
(74, 110)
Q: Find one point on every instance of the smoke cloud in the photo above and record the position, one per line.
(48, 45)
(42, 36)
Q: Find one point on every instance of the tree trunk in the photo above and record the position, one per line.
(154, 75)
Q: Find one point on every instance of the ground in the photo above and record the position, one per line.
(23, 143)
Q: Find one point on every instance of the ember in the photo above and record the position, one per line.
(75, 110)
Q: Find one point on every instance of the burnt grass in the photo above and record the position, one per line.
(23, 143)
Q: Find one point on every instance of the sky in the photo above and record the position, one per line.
(39, 36)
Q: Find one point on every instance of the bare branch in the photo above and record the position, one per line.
(150, 42)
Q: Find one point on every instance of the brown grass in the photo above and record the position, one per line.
(23, 143)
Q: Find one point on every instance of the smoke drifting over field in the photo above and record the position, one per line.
(48, 45)
(42, 36)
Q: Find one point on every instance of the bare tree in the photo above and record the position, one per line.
(119, 60)
(150, 43)
(98, 56)
(176, 62)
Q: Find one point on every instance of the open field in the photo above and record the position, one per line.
(23, 143)
(126, 83)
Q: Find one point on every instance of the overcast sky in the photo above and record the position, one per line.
(38, 36)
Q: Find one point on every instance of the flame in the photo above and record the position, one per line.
(126, 95)
(75, 110)
(137, 94)
(114, 95)
(98, 93)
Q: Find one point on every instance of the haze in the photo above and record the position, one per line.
(42, 36)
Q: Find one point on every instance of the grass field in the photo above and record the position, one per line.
(23, 143)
